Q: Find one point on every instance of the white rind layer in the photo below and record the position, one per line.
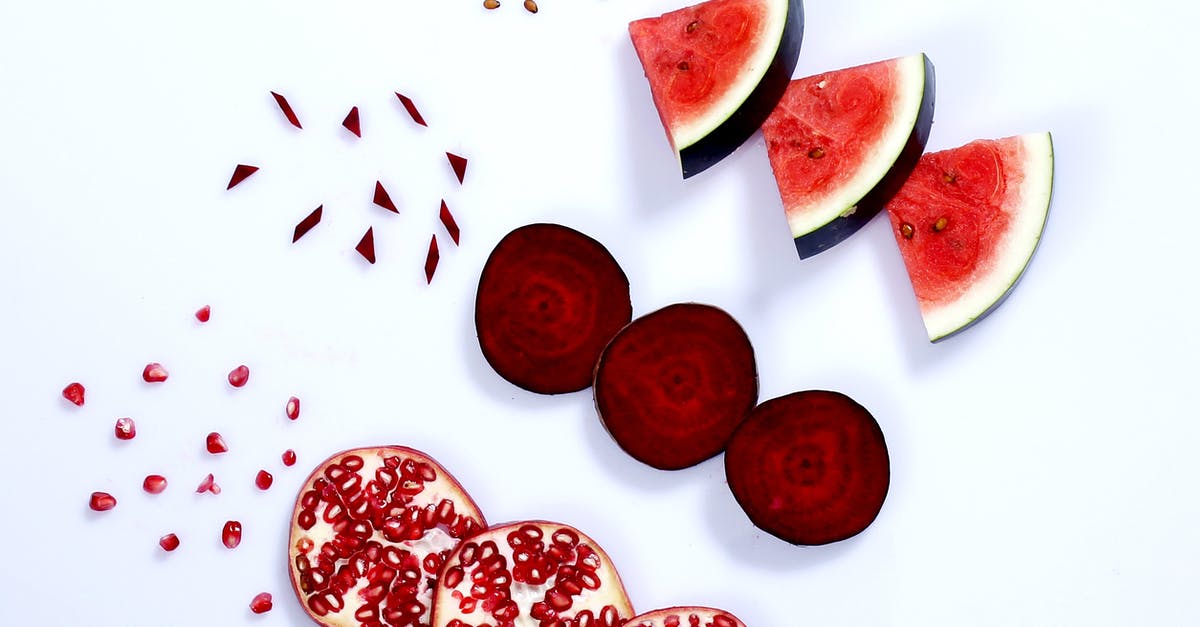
(906, 108)
(684, 135)
(1032, 206)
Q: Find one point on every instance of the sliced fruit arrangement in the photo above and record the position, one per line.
(370, 532)
(690, 616)
(842, 142)
(968, 221)
(716, 70)
(672, 385)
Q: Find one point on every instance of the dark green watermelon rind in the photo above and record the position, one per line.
(874, 201)
(750, 115)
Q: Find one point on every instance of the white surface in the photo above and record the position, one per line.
(1043, 462)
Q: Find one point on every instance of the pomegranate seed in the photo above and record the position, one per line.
(263, 480)
(289, 457)
(383, 199)
(154, 373)
(241, 173)
(431, 260)
(125, 429)
(169, 542)
(155, 484)
(102, 501)
(215, 443)
(287, 110)
(459, 164)
(74, 393)
(449, 223)
(231, 534)
(307, 224)
(239, 376)
(351, 122)
(208, 484)
(411, 108)
(261, 603)
(203, 313)
(292, 409)
(366, 246)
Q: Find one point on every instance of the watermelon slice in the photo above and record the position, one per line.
(968, 221)
(842, 142)
(716, 70)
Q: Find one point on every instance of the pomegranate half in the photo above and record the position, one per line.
(690, 616)
(371, 530)
(530, 574)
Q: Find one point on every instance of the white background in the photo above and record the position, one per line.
(1044, 462)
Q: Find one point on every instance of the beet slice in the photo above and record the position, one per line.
(549, 299)
(810, 467)
(673, 385)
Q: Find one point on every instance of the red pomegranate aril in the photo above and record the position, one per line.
(204, 313)
(366, 246)
(155, 484)
(351, 122)
(208, 484)
(169, 542)
(263, 480)
(288, 457)
(239, 376)
(292, 408)
(241, 173)
(231, 534)
(154, 373)
(307, 224)
(74, 393)
(102, 501)
(125, 429)
(215, 443)
(261, 603)
(286, 108)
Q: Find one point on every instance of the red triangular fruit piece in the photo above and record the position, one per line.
(411, 108)
(459, 164)
(287, 109)
(383, 199)
(241, 173)
(351, 122)
(449, 223)
(307, 223)
(366, 246)
(431, 260)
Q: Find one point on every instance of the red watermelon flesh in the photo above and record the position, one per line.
(968, 221)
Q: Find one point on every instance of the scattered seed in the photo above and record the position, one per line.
(906, 230)
(431, 260)
(287, 110)
(155, 484)
(263, 480)
(351, 122)
(940, 224)
(208, 484)
(949, 177)
(307, 223)
(292, 408)
(684, 66)
(154, 373)
(816, 153)
(102, 501)
(231, 534)
(239, 376)
(241, 173)
(449, 223)
(383, 199)
(531, 6)
(169, 542)
(74, 393)
(288, 457)
(261, 603)
(459, 164)
(366, 245)
(491, 4)
(204, 313)
(411, 107)
(125, 429)
(215, 443)
(693, 25)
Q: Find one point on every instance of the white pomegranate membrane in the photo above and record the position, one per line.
(371, 530)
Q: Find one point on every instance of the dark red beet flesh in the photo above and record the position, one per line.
(411, 108)
(549, 299)
(810, 467)
(673, 385)
(366, 245)
(287, 110)
(307, 223)
(351, 122)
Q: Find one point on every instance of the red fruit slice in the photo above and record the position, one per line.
(239, 376)
(307, 224)
(431, 260)
(383, 199)
(530, 573)
(810, 467)
(155, 484)
(673, 385)
(125, 429)
(287, 110)
(366, 245)
(231, 534)
(370, 531)
(448, 222)
(169, 542)
(154, 373)
(261, 603)
(459, 164)
(74, 393)
(204, 313)
(549, 299)
(351, 122)
(292, 408)
(241, 173)
(215, 443)
(102, 501)
(690, 616)
(411, 108)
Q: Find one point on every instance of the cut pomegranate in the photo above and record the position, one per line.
(215, 443)
(366, 245)
(263, 480)
(231, 534)
(292, 408)
(239, 376)
(102, 501)
(241, 173)
(351, 122)
(383, 199)
(169, 542)
(203, 313)
(431, 260)
(208, 484)
(288, 457)
(125, 429)
(530, 573)
(448, 222)
(411, 108)
(810, 467)
(673, 385)
(261, 603)
(74, 393)
(155, 484)
(549, 299)
(307, 224)
(287, 110)
(154, 373)
(370, 531)
(691, 616)
(459, 164)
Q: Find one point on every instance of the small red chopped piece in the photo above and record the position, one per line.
(154, 373)
(74, 393)
(102, 501)
(215, 443)
(449, 223)
(155, 484)
(459, 164)
(287, 110)
(431, 260)
(307, 223)
(288, 457)
(351, 122)
(261, 603)
(204, 313)
(383, 199)
(366, 245)
(292, 408)
(241, 173)
(125, 429)
(411, 108)
(239, 376)
(263, 480)
(169, 542)
(208, 484)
